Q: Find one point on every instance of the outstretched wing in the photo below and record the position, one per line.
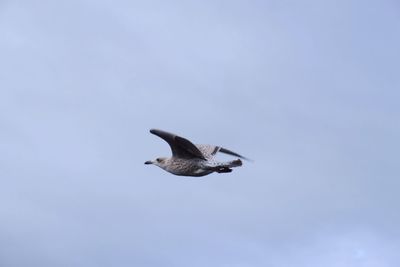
(180, 146)
(209, 151)
(229, 152)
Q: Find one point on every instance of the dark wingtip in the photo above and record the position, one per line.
(158, 132)
(229, 152)
(247, 159)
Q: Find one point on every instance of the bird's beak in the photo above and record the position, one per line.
(148, 162)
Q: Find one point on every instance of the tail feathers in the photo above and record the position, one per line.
(223, 170)
(235, 163)
(226, 166)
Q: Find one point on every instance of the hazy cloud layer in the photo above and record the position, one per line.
(309, 90)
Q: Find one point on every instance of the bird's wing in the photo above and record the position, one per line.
(229, 152)
(180, 146)
(209, 151)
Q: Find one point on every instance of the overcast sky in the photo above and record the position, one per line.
(308, 89)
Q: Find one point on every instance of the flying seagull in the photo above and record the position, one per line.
(189, 159)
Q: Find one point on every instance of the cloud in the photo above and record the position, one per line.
(306, 90)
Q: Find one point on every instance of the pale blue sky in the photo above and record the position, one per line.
(308, 89)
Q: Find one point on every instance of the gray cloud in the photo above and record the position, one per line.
(308, 90)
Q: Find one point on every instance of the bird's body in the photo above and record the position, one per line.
(184, 167)
(192, 160)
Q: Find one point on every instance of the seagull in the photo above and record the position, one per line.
(189, 159)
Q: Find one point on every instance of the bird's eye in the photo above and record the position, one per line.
(158, 160)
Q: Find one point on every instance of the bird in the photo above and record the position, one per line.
(189, 159)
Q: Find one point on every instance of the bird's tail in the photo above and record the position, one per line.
(234, 163)
(226, 166)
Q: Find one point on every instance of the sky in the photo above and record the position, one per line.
(307, 89)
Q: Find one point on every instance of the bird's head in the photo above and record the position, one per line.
(160, 162)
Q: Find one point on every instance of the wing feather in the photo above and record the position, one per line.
(209, 151)
(180, 146)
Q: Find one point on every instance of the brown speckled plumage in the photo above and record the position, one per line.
(192, 160)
